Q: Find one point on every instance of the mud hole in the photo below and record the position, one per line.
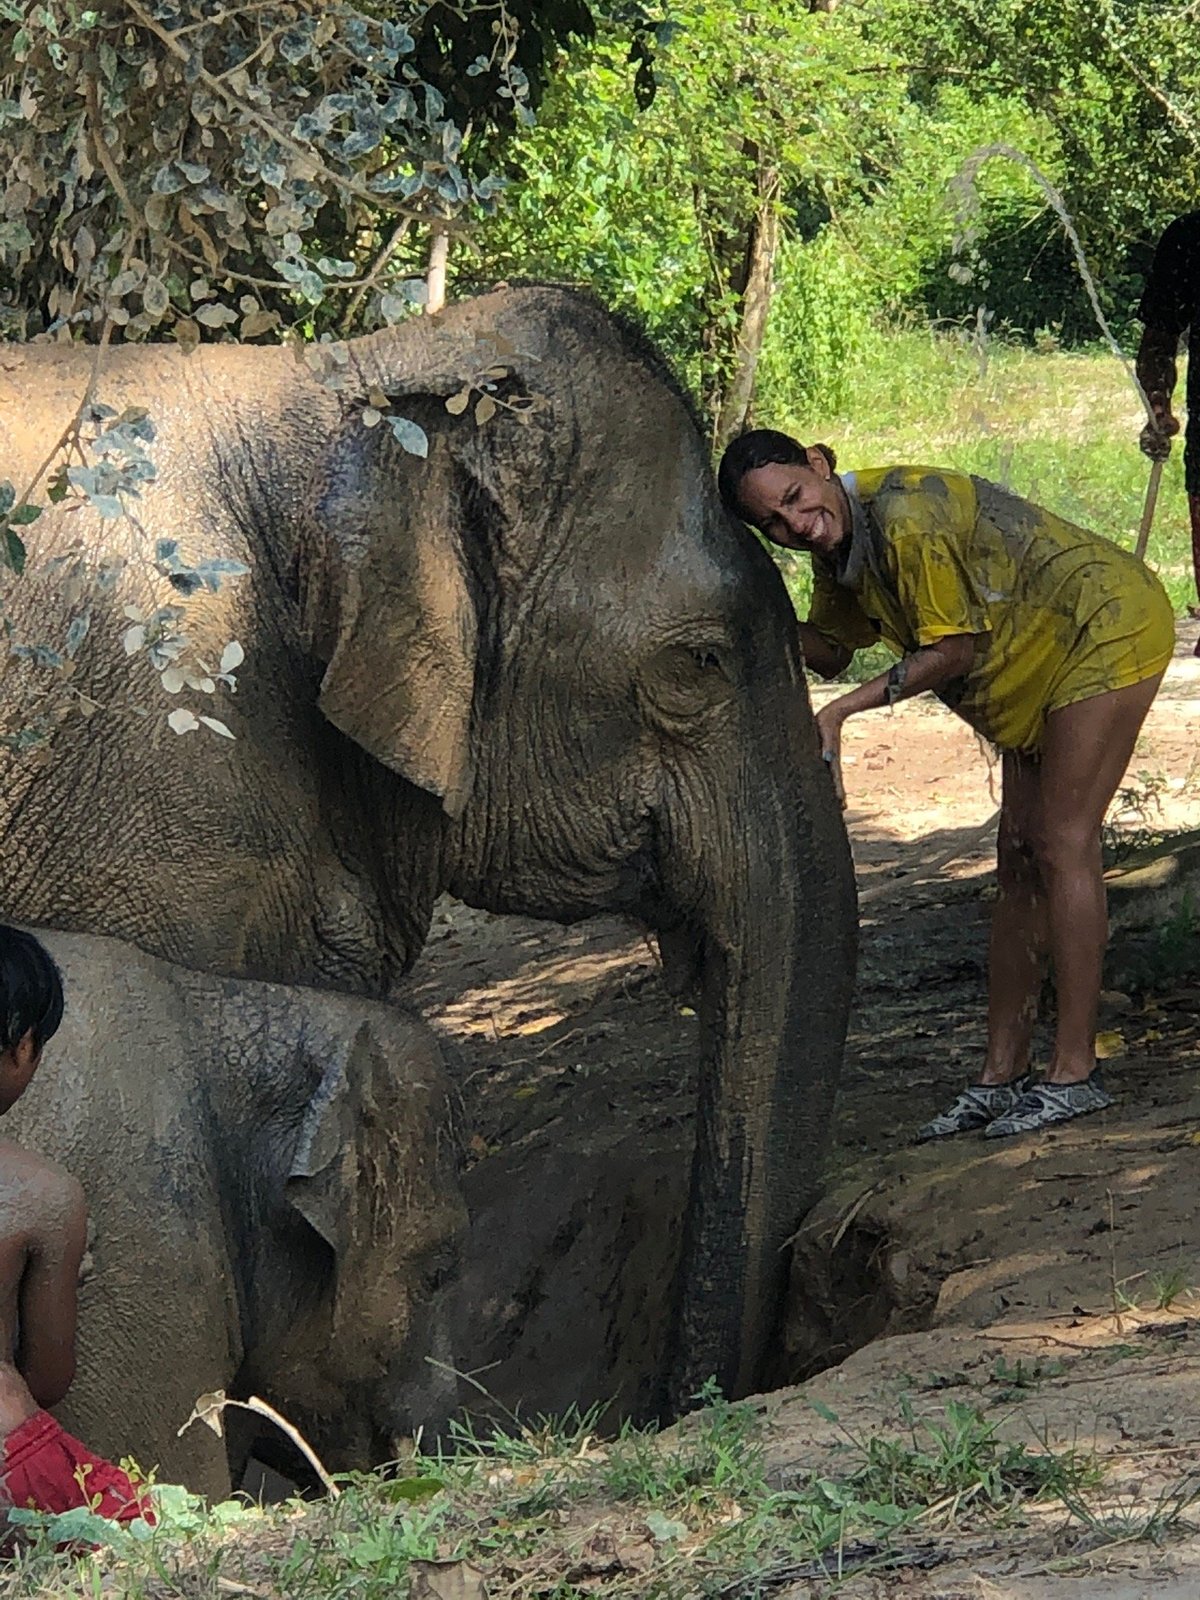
(577, 1071)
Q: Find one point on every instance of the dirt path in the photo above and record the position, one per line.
(577, 1072)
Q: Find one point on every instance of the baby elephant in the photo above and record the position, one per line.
(271, 1179)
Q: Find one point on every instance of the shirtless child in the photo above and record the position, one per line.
(43, 1227)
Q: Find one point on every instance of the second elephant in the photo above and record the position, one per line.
(271, 1176)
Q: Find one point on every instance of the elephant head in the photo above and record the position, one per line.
(550, 629)
(346, 1327)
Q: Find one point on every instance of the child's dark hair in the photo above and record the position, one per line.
(31, 992)
(761, 447)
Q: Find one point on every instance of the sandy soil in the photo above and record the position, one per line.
(577, 1075)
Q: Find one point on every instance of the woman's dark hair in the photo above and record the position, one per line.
(31, 992)
(761, 447)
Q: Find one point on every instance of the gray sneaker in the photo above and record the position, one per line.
(976, 1107)
(1048, 1103)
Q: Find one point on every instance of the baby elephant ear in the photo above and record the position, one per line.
(324, 1167)
(373, 1168)
(387, 605)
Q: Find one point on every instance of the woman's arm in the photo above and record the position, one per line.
(822, 655)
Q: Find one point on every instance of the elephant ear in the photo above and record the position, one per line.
(385, 574)
(387, 605)
(324, 1168)
(371, 1173)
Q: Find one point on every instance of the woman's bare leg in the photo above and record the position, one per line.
(1085, 751)
(1017, 949)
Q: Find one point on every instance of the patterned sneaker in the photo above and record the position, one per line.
(1047, 1103)
(977, 1106)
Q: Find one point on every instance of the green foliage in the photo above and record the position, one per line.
(822, 323)
(178, 169)
(962, 1455)
(715, 1453)
(561, 1514)
(1116, 82)
(744, 92)
(1167, 1285)
(866, 116)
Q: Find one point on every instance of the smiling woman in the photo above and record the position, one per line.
(1048, 640)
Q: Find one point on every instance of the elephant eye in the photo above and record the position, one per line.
(437, 1274)
(686, 680)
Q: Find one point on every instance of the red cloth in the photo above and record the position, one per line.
(45, 1468)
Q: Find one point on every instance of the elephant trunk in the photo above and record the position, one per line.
(775, 963)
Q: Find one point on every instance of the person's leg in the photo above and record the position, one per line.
(1191, 482)
(1085, 751)
(1017, 948)
(1014, 963)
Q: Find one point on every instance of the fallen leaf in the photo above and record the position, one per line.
(636, 1555)
(1109, 1045)
(208, 1409)
(445, 1580)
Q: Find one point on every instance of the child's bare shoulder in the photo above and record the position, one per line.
(36, 1194)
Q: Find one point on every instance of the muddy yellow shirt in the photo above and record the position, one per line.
(1059, 614)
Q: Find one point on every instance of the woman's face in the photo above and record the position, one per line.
(800, 508)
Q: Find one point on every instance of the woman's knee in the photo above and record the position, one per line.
(1068, 847)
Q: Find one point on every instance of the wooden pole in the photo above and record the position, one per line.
(1143, 538)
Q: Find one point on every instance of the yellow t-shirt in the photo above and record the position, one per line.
(1059, 614)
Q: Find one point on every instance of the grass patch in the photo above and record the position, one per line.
(546, 1511)
(1168, 1286)
(959, 1460)
(1131, 1519)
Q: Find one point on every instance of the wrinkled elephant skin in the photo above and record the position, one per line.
(272, 1191)
(540, 669)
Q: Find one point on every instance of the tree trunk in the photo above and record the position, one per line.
(757, 283)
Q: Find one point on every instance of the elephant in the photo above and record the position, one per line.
(271, 1178)
(538, 668)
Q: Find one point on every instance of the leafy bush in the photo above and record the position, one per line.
(822, 320)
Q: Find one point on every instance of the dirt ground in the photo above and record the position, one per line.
(577, 1076)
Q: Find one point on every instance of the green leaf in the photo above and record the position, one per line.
(23, 515)
(14, 551)
(397, 1489)
(663, 1528)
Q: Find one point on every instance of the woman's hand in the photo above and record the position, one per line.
(829, 732)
